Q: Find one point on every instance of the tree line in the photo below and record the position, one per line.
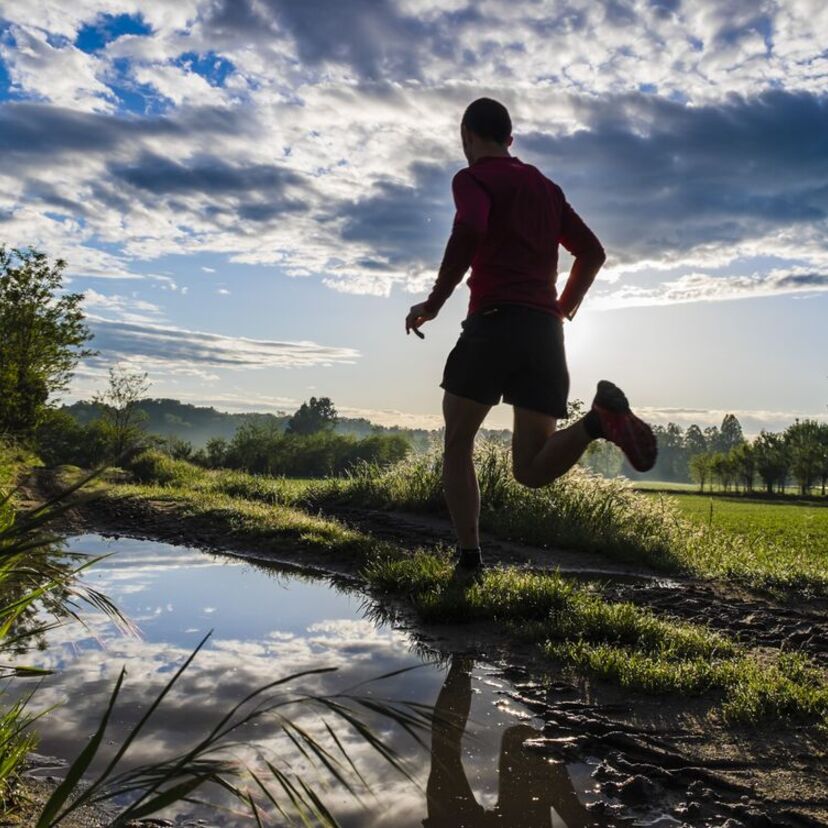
(307, 447)
(722, 456)
(798, 455)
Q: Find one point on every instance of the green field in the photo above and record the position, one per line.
(800, 525)
(664, 486)
(693, 488)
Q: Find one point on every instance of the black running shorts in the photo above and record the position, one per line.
(512, 351)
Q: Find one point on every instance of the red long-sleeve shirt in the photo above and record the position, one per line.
(510, 219)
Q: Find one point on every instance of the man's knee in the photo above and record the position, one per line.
(458, 445)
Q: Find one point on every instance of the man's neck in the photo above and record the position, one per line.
(493, 152)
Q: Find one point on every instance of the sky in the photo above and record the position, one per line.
(251, 193)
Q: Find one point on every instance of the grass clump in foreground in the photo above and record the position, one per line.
(275, 524)
(619, 642)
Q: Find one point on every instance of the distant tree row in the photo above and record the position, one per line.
(799, 454)
(308, 447)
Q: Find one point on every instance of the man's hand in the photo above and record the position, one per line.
(417, 316)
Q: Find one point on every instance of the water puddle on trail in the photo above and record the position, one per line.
(267, 624)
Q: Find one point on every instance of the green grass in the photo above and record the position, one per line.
(16, 735)
(799, 525)
(619, 642)
(281, 526)
(585, 512)
(580, 511)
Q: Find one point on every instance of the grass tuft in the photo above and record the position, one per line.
(618, 642)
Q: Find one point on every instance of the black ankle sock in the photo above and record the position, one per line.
(469, 556)
(592, 424)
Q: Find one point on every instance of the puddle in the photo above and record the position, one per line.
(267, 624)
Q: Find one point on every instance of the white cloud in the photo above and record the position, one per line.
(122, 308)
(705, 287)
(64, 75)
(297, 79)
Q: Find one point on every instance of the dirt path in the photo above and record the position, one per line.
(650, 749)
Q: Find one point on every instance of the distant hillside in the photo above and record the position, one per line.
(197, 424)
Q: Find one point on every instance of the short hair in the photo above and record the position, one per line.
(489, 119)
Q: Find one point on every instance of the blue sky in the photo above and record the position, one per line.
(252, 194)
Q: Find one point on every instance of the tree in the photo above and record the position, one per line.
(313, 416)
(772, 460)
(604, 458)
(694, 441)
(803, 442)
(120, 412)
(43, 337)
(730, 434)
(722, 468)
(671, 457)
(822, 440)
(701, 468)
(744, 464)
(216, 452)
(713, 438)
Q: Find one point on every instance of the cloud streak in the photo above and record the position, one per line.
(171, 348)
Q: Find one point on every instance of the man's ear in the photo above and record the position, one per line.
(509, 141)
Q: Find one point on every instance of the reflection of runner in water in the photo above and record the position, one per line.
(530, 785)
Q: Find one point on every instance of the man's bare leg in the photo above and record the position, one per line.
(463, 419)
(541, 453)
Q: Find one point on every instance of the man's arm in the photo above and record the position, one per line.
(589, 255)
(470, 222)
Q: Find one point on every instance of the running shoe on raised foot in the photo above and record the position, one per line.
(620, 426)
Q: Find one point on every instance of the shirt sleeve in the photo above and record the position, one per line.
(575, 236)
(471, 219)
(581, 242)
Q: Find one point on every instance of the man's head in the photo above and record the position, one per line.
(486, 129)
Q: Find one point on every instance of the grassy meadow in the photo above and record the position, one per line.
(799, 524)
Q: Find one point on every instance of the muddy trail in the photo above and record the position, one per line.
(645, 749)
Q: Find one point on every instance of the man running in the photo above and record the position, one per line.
(510, 219)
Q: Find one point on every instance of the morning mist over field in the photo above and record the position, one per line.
(251, 194)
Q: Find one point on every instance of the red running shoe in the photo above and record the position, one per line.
(620, 426)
